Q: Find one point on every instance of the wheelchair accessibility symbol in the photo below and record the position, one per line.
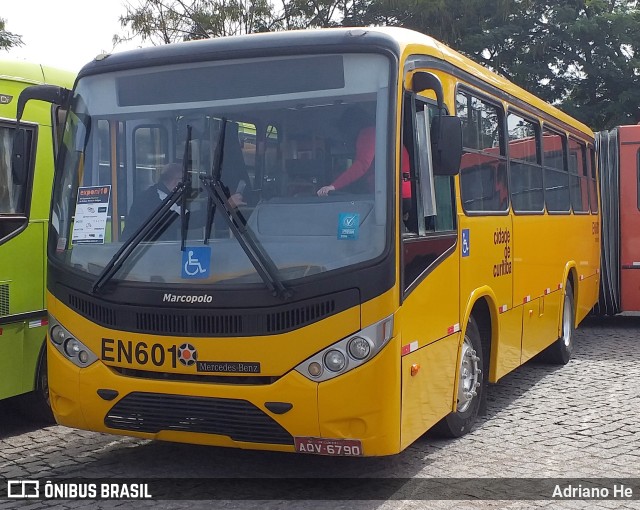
(196, 262)
(466, 247)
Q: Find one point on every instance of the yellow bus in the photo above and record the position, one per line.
(402, 228)
(25, 192)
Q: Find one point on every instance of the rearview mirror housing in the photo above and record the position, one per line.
(446, 142)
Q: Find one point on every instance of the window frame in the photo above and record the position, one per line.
(14, 223)
(581, 178)
(501, 157)
(538, 164)
(565, 171)
(592, 170)
(422, 236)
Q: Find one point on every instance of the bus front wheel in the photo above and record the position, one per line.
(36, 404)
(470, 386)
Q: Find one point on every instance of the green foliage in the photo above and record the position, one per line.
(578, 54)
(8, 40)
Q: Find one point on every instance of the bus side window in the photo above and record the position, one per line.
(13, 188)
(483, 173)
(527, 193)
(578, 177)
(556, 175)
(593, 182)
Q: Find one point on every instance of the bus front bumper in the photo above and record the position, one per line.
(360, 407)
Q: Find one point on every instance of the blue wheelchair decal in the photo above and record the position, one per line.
(196, 262)
(466, 247)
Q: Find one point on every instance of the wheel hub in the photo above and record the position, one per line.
(469, 374)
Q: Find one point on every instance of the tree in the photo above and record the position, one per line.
(168, 21)
(8, 40)
(578, 54)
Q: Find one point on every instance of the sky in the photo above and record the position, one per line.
(64, 33)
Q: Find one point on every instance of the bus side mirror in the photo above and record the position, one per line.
(446, 142)
(19, 158)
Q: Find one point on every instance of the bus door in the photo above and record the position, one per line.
(629, 140)
(430, 275)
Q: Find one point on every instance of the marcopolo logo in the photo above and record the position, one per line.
(186, 298)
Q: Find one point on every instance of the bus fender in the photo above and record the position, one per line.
(481, 293)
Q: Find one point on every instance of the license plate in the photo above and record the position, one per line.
(322, 446)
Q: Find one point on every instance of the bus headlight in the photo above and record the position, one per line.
(335, 360)
(72, 347)
(69, 346)
(359, 348)
(57, 335)
(348, 353)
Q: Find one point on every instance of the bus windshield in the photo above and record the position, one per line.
(242, 171)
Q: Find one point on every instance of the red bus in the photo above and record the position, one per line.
(619, 159)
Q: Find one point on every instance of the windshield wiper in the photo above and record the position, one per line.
(186, 180)
(216, 172)
(181, 191)
(260, 259)
(138, 236)
(263, 263)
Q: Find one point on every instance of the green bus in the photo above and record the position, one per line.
(25, 194)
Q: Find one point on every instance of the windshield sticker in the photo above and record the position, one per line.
(90, 222)
(348, 225)
(196, 262)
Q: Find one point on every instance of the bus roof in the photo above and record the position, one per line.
(34, 74)
(402, 42)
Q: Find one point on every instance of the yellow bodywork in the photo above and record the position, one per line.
(411, 384)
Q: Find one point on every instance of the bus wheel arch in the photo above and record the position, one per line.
(472, 376)
(37, 405)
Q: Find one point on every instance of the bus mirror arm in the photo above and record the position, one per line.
(48, 93)
(423, 80)
(446, 144)
(446, 130)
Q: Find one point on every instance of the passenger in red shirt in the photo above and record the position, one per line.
(355, 119)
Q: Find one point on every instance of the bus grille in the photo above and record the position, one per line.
(238, 419)
(4, 299)
(219, 322)
(100, 314)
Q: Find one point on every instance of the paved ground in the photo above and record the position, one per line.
(578, 421)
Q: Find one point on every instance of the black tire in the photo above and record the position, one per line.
(471, 387)
(560, 351)
(36, 405)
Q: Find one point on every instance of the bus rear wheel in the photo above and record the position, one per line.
(559, 352)
(470, 386)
